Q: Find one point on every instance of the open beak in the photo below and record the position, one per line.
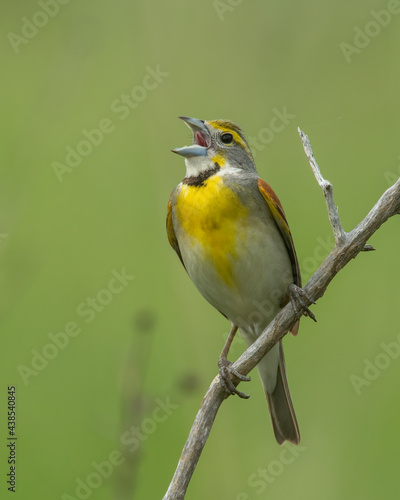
(201, 138)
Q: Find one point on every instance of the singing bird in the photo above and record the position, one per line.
(230, 232)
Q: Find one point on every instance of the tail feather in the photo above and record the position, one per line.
(273, 377)
(280, 403)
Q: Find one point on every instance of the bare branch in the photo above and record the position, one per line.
(327, 189)
(347, 247)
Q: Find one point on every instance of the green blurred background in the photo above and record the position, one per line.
(63, 236)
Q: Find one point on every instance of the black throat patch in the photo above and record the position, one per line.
(198, 180)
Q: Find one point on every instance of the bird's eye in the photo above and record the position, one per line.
(227, 138)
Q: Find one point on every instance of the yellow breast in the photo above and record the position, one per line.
(213, 216)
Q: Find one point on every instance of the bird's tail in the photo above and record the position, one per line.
(273, 376)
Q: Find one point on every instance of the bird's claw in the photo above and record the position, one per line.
(299, 299)
(225, 370)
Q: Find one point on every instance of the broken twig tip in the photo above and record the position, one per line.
(368, 248)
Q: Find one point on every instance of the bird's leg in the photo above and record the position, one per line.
(226, 369)
(299, 298)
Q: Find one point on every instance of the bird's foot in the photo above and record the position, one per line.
(300, 300)
(225, 371)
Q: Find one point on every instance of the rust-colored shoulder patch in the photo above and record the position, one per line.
(263, 186)
(274, 204)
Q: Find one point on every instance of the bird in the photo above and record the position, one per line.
(231, 234)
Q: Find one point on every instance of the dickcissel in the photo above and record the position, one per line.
(230, 232)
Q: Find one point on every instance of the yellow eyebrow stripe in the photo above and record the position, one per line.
(226, 127)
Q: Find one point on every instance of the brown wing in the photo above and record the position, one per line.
(279, 216)
(171, 233)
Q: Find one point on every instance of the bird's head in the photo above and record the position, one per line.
(215, 143)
